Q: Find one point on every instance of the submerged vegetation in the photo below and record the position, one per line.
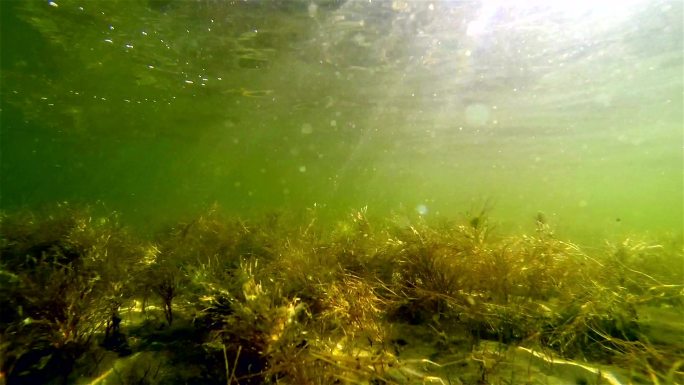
(219, 300)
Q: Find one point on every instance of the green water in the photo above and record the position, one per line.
(159, 109)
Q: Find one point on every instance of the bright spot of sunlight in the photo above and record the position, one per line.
(607, 11)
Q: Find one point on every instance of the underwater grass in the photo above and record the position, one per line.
(223, 300)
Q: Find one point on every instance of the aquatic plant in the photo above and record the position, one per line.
(70, 276)
(272, 301)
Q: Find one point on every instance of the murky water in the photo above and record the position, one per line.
(161, 108)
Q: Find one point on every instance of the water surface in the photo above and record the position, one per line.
(161, 108)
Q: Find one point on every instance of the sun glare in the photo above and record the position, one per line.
(606, 11)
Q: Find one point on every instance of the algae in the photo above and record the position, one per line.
(225, 300)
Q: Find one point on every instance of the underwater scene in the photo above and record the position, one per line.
(341, 192)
